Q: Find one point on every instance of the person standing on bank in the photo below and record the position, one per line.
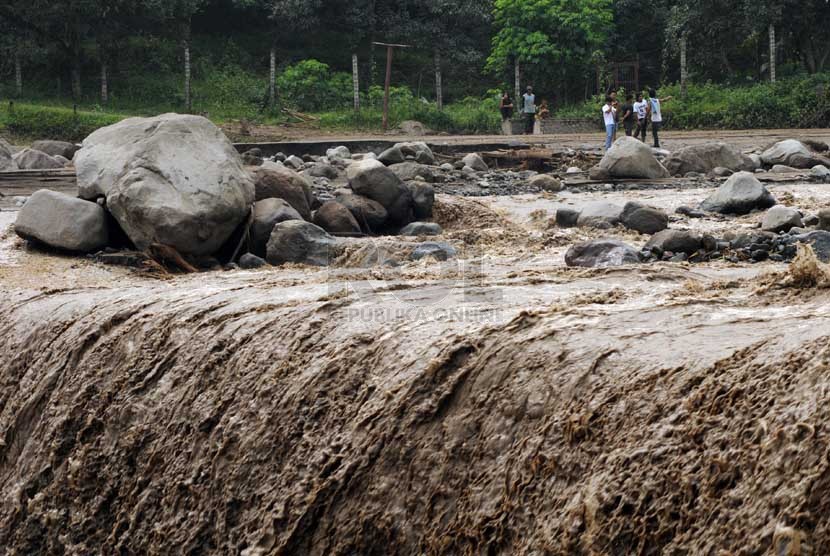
(529, 110)
(655, 112)
(628, 115)
(641, 110)
(506, 106)
(609, 116)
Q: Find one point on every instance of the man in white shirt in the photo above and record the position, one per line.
(655, 111)
(609, 116)
(529, 110)
(641, 110)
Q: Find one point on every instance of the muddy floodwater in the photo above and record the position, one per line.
(499, 403)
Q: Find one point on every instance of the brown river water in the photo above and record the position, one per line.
(497, 404)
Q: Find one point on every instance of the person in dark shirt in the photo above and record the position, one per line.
(506, 106)
(628, 117)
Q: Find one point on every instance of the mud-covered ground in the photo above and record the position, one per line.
(496, 404)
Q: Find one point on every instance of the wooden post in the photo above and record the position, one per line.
(518, 82)
(18, 73)
(104, 84)
(772, 53)
(272, 78)
(389, 50)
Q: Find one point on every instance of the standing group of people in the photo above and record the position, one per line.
(634, 116)
(529, 109)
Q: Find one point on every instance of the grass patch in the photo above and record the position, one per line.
(27, 121)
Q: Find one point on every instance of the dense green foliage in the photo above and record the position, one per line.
(63, 52)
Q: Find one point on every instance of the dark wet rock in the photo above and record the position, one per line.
(419, 151)
(267, 214)
(63, 222)
(629, 158)
(599, 214)
(274, 180)
(690, 212)
(294, 162)
(392, 155)
(252, 157)
(601, 253)
(31, 159)
(336, 219)
(57, 148)
(422, 229)
(173, 179)
(438, 250)
(741, 194)
(824, 220)
(722, 172)
(819, 240)
(644, 219)
(369, 214)
(323, 170)
(781, 219)
(703, 159)
(676, 241)
(297, 241)
(567, 217)
(423, 199)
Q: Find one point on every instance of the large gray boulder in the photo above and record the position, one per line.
(273, 180)
(372, 179)
(474, 161)
(599, 214)
(643, 219)
(173, 179)
(629, 158)
(7, 163)
(601, 253)
(705, 158)
(63, 222)
(676, 241)
(369, 214)
(392, 155)
(296, 241)
(741, 194)
(267, 214)
(409, 171)
(30, 159)
(419, 150)
(792, 153)
(335, 218)
(57, 148)
(781, 219)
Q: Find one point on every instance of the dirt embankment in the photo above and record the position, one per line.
(636, 411)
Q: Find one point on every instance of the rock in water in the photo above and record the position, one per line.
(599, 214)
(643, 219)
(57, 148)
(372, 179)
(705, 158)
(423, 198)
(819, 240)
(63, 222)
(438, 250)
(296, 241)
(820, 171)
(789, 152)
(629, 158)
(545, 183)
(7, 163)
(30, 159)
(781, 169)
(336, 219)
(601, 253)
(676, 241)
(341, 152)
(172, 179)
(781, 219)
(249, 261)
(422, 229)
(741, 194)
(409, 171)
(369, 214)
(267, 214)
(474, 161)
(273, 180)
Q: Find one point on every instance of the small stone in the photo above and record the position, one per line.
(249, 261)
(438, 250)
(422, 229)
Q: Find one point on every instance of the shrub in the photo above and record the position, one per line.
(309, 86)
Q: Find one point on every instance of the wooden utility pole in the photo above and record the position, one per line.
(772, 53)
(390, 48)
(684, 69)
(517, 77)
(355, 83)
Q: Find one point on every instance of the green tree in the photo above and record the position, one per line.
(554, 40)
